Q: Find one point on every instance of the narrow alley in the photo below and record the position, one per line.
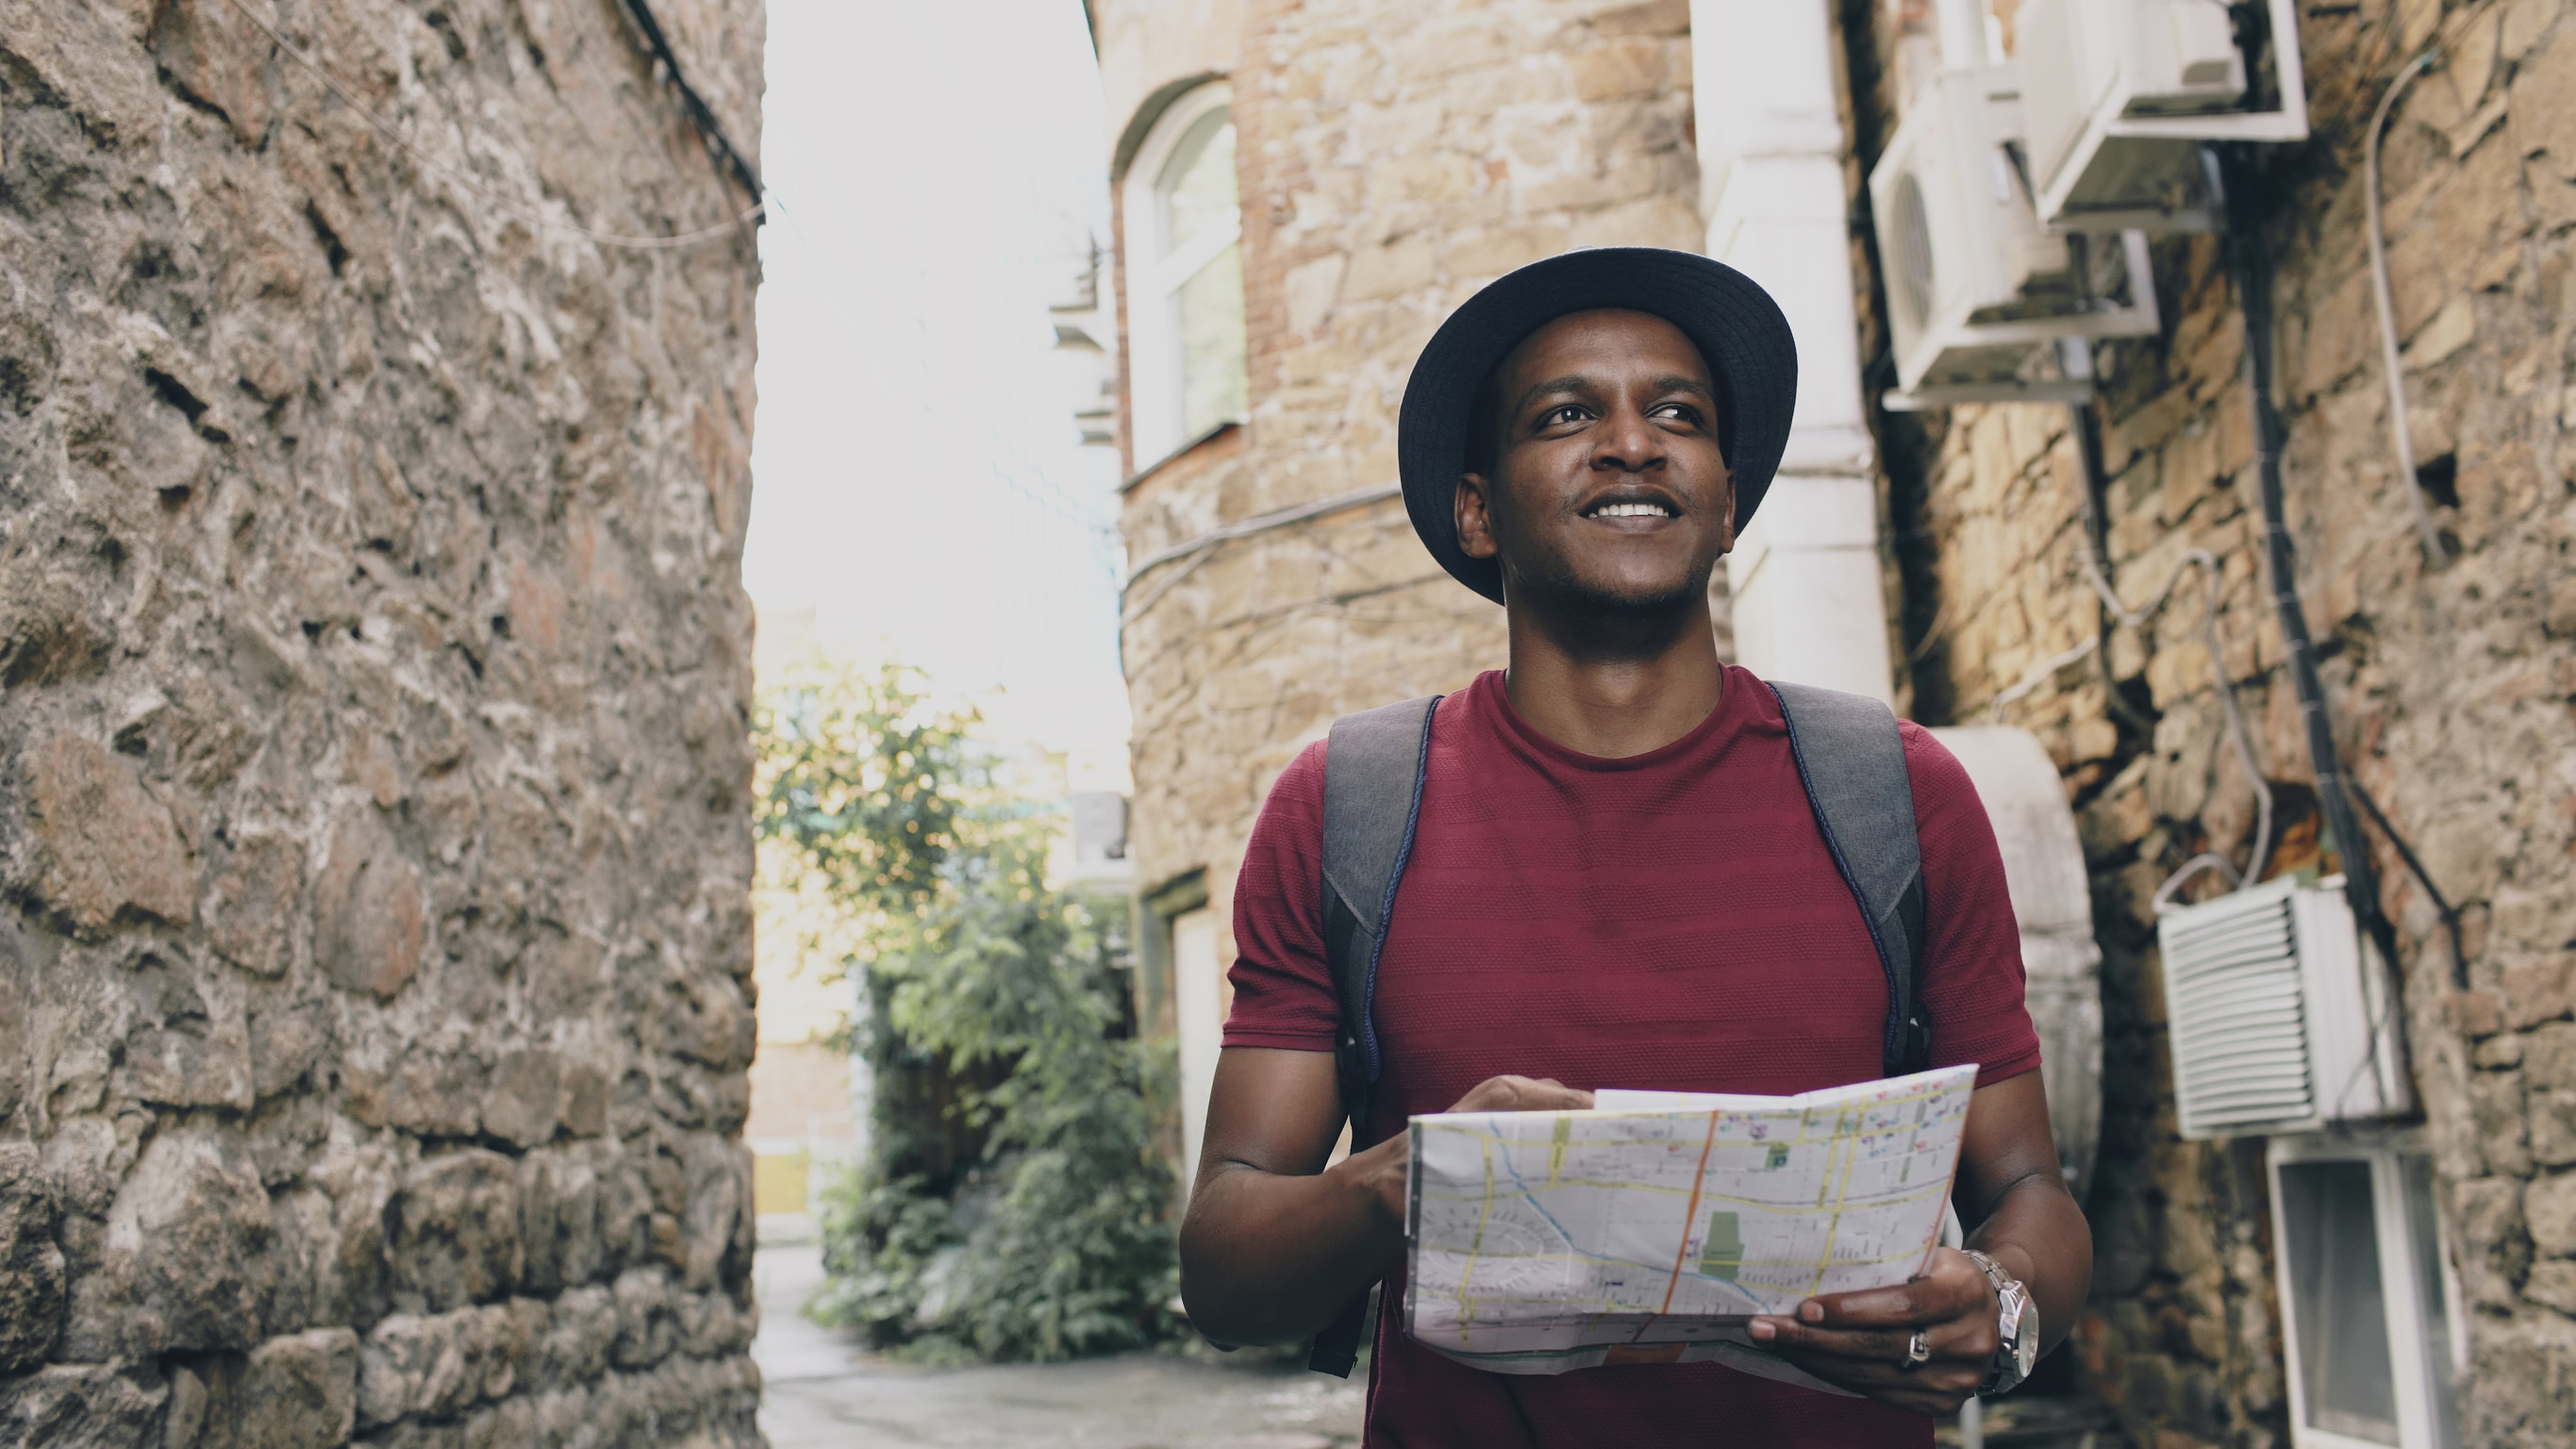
(823, 1392)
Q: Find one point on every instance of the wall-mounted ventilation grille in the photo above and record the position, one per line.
(2240, 1038)
(2279, 1018)
(1911, 265)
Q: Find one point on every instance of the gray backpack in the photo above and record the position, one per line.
(1850, 759)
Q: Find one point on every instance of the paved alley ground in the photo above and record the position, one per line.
(823, 1392)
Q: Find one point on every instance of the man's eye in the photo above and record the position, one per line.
(1682, 411)
(1566, 414)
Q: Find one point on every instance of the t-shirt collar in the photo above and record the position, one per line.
(1736, 707)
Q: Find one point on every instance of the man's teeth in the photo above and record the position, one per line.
(1632, 510)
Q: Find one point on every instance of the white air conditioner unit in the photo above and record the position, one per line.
(2121, 95)
(1975, 285)
(2281, 1017)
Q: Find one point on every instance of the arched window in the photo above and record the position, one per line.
(1185, 276)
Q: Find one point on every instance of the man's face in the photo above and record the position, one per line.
(1607, 490)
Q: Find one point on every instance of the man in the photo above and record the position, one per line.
(1616, 880)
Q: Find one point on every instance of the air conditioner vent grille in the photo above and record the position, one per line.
(2237, 1004)
(1913, 259)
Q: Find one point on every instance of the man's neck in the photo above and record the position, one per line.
(1613, 690)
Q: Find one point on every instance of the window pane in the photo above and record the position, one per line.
(1197, 184)
(2434, 1296)
(1212, 380)
(2336, 1299)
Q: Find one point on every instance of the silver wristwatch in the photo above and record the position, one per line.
(2017, 1330)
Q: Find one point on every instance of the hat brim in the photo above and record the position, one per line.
(1739, 330)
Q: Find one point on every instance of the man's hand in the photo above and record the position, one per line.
(1386, 1167)
(1858, 1341)
(1275, 1241)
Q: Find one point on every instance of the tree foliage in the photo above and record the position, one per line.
(865, 779)
(1012, 1204)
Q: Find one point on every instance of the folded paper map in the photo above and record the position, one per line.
(1652, 1228)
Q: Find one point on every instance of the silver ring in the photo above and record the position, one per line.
(1918, 1351)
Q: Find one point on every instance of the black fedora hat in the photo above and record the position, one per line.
(1738, 329)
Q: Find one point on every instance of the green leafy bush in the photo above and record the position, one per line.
(1013, 1202)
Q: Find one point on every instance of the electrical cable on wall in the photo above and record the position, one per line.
(711, 132)
(2237, 733)
(2400, 428)
(2335, 793)
(2097, 537)
(474, 186)
(2239, 736)
(2251, 266)
(2110, 609)
(2036, 676)
(1197, 550)
(2449, 913)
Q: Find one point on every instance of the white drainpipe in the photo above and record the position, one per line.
(1808, 599)
(1963, 32)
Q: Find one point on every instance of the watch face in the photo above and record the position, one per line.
(2026, 1353)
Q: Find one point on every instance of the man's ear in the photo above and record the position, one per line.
(1726, 520)
(1475, 517)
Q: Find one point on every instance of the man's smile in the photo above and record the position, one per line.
(1631, 511)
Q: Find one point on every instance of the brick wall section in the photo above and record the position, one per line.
(374, 791)
(2452, 689)
(1393, 158)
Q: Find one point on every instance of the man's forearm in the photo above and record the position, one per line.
(1268, 1258)
(2039, 1236)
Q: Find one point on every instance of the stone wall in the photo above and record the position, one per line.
(2451, 684)
(1393, 158)
(374, 791)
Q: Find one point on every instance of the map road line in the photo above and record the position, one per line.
(1465, 1310)
(1690, 1215)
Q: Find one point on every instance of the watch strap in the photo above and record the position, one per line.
(2015, 1320)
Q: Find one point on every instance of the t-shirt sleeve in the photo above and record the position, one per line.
(1283, 989)
(1972, 971)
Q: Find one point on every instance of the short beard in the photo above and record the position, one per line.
(1572, 599)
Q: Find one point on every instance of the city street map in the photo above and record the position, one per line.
(1651, 1228)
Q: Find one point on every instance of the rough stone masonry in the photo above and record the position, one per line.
(374, 793)
(2453, 685)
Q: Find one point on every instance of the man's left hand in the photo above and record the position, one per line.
(1859, 1341)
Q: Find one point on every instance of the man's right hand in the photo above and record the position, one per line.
(1386, 1167)
(1275, 1242)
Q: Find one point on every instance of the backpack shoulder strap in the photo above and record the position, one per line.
(1373, 768)
(1851, 759)
(1374, 765)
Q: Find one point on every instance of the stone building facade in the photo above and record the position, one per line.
(374, 787)
(1392, 156)
(1390, 160)
(2450, 682)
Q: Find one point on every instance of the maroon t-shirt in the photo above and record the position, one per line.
(1671, 921)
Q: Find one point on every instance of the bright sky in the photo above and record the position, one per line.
(918, 489)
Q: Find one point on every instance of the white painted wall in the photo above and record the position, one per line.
(1195, 1000)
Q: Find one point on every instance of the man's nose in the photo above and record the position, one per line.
(1628, 441)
